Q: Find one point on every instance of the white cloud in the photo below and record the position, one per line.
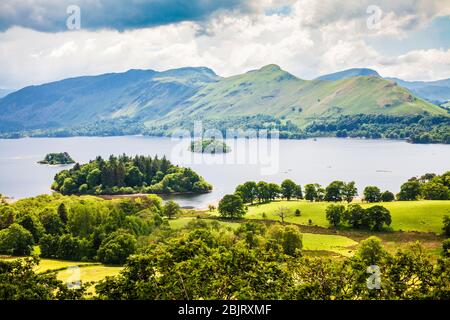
(316, 37)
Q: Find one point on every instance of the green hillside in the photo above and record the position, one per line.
(138, 101)
(275, 92)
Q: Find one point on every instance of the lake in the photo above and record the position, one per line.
(384, 163)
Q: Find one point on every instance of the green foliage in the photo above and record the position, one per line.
(446, 227)
(231, 206)
(334, 214)
(410, 190)
(446, 248)
(372, 194)
(374, 218)
(18, 281)
(124, 175)
(57, 158)
(430, 187)
(419, 128)
(288, 237)
(212, 146)
(116, 248)
(387, 196)
(288, 189)
(171, 209)
(16, 240)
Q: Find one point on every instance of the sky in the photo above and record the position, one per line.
(43, 41)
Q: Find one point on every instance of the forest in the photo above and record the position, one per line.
(128, 175)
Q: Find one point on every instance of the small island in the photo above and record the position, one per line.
(126, 175)
(57, 158)
(212, 146)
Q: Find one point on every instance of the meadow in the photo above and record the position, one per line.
(419, 216)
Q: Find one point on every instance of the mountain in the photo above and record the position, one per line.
(5, 92)
(434, 91)
(355, 72)
(174, 96)
(144, 93)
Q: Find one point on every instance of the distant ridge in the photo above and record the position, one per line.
(168, 99)
(355, 72)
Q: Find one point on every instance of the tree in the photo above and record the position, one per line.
(446, 227)
(334, 191)
(32, 224)
(288, 189)
(52, 223)
(435, 190)
(288, 237)
(117, 247)
(282, 212)
(247, 191)
(7, 216)
(19, 281)
(446, 248)
(16, 240)
(231, 206)
(62, 212)
(298, 213)
(171, 209)
(298, 192)
(387, 196)
(263, 191)
(410, 190)
(134, 177)
(349, 191)
(372, 194)
(353, 215)
(378, 217)
(274, 191)
(371, 252)
(93, 178)
(334, 214)
(310, 192)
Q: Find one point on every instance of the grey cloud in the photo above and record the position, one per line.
(51, 15)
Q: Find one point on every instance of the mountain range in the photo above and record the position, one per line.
(171, 97)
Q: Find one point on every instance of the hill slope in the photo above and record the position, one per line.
(435, 91)
(349, 73)
(173, 96)
(274, 92)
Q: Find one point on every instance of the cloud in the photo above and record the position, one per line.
(51, 15)
(309, 39)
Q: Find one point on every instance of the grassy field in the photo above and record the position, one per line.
(326, 242)
(90, 273)
(421, 216)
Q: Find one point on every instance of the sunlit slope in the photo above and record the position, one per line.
(273, 91)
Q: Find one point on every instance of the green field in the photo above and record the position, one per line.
(90, 273)
(182, 222)
(326, 242)
(421, 216)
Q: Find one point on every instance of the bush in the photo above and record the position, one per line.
(446, 248)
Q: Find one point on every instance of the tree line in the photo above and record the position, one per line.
(127, 175)
(209, 261)
(77, 229)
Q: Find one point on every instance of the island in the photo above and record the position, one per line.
(209, 146)
(57, 158)
(129, 175)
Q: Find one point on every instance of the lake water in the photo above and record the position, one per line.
(386, 164)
